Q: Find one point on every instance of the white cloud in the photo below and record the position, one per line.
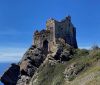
(14, 54)
(11, 54)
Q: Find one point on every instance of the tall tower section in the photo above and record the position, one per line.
(63, 29)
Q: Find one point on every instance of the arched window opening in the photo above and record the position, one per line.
(45, 45)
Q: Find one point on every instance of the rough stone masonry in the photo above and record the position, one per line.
(54, 31)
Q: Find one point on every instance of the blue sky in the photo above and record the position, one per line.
(19, 19)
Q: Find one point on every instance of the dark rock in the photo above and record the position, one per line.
(65, 56)
(30, 63)
(23, 80)
(58, 53)
(11, 76)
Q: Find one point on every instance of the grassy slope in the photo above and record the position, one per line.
(90, 75)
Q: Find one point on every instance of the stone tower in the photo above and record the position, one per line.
(55, 30)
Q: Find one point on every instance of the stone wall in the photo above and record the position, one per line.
(42, 36)
(55, 30)
(66, 30)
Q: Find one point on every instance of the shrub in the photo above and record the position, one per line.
(81, 52)
(95, 47)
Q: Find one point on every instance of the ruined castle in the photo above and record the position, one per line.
(54, 31)
(44, 45)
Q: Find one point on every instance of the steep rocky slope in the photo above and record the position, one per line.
(64, 65)
(21, 73)
(82, 69)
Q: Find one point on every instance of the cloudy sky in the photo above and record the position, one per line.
(19, 19)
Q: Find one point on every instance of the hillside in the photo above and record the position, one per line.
(82, 69)
(63, 66)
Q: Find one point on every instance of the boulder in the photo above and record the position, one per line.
(11, 76)
(73, 70)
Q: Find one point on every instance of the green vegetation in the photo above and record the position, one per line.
(85, 66)
(87, 57)
(51, 74)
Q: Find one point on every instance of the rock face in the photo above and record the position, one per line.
(20, 74)
(30, 63)
(63, 54)
(11, 76)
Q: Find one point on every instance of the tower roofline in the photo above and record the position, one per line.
(66, 18)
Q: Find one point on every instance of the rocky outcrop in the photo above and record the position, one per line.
(21, 73)
(11, 76)
(63, 66)
(64, 52)
(73, 70)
